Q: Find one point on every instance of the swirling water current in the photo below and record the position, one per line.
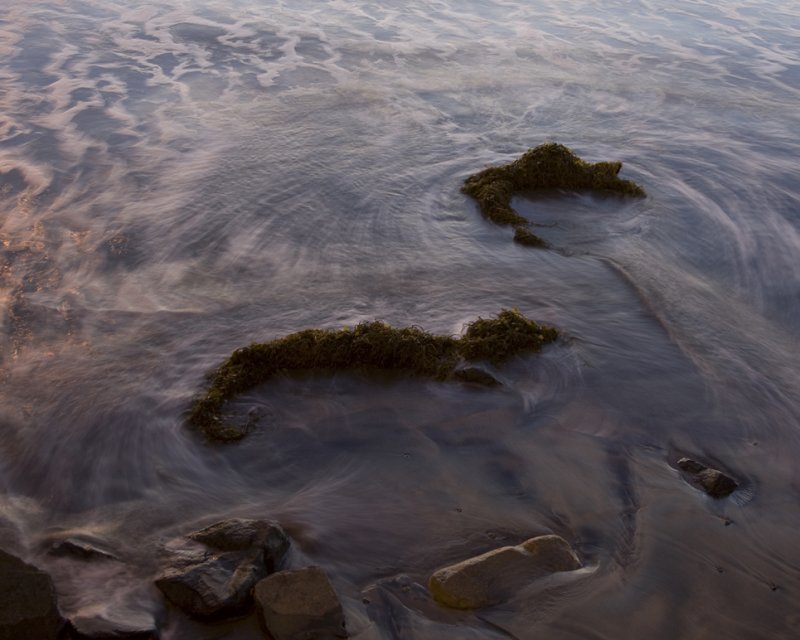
(181, 179)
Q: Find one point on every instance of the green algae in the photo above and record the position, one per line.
(546, 167)
(368, 346)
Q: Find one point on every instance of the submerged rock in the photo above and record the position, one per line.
(712, 481)
(546, 167)
(80, 548)
(118, 625)
(476, 375)
(495, 576)
(300, 605)
(214, 570)
(28, 607)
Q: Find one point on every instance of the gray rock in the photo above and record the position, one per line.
(212, 572)
(495, 576)
(712, 481)
(117, 625)
(300, 605)
(28, 607)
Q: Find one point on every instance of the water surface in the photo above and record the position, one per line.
(180, 179)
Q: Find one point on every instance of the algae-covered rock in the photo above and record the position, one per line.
(495, 576)
(546, 167)
(368, 346)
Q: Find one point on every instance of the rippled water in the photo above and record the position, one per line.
(180, 179)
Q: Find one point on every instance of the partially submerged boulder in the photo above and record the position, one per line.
(493, 577)
(300, 605)
(368, 346)
(543, 168)
(212, 571)
(28, 607)
(712, 481)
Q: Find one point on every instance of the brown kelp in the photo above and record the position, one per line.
(548, 166)
(368, 346)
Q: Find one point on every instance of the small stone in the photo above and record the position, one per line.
(300, 605)
(494, 576)
(712, 481)
(715, 483)
(28, 607)
(691, 466)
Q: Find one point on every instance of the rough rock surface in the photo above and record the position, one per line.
(28, 607)
(300, 605)
(494, 576)
(712, 481)
(212, 571)
(114, 626)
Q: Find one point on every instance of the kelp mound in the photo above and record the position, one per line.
(368, 346)
(548, 166)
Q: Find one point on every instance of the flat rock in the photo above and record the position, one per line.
(114, 625)
(28, 607)
(495, 576)
(300, 605)
(712, 481)
(81, 549)
(212, 572)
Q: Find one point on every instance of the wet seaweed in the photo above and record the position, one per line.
(369, 346)
(546, 167)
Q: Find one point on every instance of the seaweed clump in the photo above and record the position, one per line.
(368, 346)
(548, 166)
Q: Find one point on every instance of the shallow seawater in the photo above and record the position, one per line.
(181, 179)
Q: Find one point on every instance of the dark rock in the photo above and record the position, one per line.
(213, 585)
(690, 466)
(300, 605)
(239, 534)
(475, 375)
(712, 481)
(119, 625)
(80, 548)
(495, 576)
(715, 483)
(28, 607)
(212, 571)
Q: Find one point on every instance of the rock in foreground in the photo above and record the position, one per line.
(28, 607)
(495, 576)
(213, 571)
(712, 481)
(300, 605)
(117, 625)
